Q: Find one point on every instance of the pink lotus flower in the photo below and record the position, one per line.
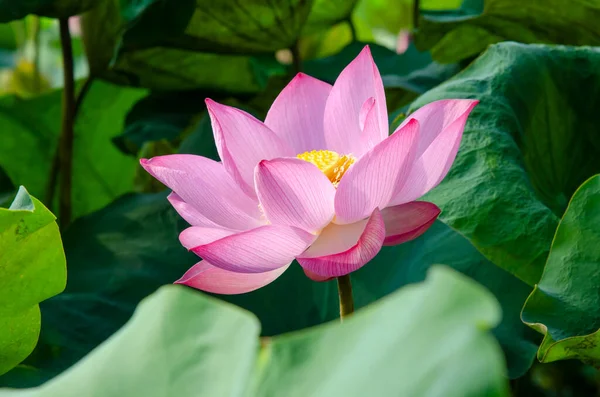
(320, 181)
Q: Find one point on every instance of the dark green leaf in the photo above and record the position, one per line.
(226, 26)
(200, 141)
(452, 36)
(159, 116)
(202, 347)
(162, 68)
(565, 305)
(527, 146)
(32, 269)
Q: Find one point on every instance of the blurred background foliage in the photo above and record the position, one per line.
(143, 69)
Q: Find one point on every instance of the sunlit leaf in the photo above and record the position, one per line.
(32, 269)
(565, 304)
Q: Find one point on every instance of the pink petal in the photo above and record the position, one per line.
(371, 182)
(436, 117)
(206, 277)
(204, 184)
(435, 162)
(189, 213)
(408, 221)
(195, 236)
(369, 126)
(242, 141)
(296, 115)
(340, 250)
(365, 109)
(258, 250)
(403, 41)
(294, 192)
(358, 82)
(315, 276)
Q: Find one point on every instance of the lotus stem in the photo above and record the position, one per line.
(345, 294)
(416, 13)
(68, 120)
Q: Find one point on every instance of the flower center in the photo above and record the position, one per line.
(330, 163)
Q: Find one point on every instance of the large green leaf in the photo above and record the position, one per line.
(359, 357)
(11, 9)
(565, 305)
(527, 146)
(182, 343)
(32, 269)
(29, 135)
(452, 36)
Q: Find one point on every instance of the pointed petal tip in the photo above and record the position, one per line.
(156, 160)
(208, 278)
(213, 106)
(412, 123)
(147, 165)
(366, 53)
(471, 104)
(300, 75)
(359, 80)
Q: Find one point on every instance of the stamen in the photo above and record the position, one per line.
(331, 163)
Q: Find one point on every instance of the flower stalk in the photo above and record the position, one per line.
(345, 294)
(68, 121)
